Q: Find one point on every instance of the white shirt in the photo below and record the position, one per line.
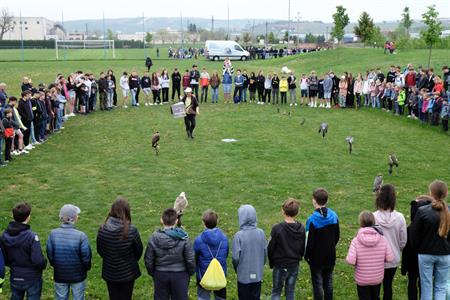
(124, 82)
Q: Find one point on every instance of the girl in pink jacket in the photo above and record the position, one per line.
(368, 252)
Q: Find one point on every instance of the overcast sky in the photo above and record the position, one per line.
(309, 10)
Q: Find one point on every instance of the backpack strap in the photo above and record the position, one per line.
(218, 249)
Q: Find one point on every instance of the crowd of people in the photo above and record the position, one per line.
(171, 258)
(41, 110)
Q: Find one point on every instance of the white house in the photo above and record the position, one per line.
(31, 28)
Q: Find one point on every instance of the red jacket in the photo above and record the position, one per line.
(410, 79)
(186, 81)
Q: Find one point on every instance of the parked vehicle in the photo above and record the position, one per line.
(219, 50)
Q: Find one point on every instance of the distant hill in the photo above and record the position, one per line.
(132, 25)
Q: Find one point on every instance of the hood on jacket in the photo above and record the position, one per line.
(169, 238)
(212, 237)
(13, 234)
(387, 219)
(247, 217)
(113, 224)
(294, 230)
(368, 236)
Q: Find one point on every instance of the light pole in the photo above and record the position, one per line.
(228, 19)
(289, 21)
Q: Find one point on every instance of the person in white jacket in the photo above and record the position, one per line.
(366, 91)
(393, 226)
(165, 84)
(125, 88)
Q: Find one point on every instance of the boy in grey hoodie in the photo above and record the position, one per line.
(249, 254)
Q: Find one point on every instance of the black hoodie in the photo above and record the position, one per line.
(286, 245)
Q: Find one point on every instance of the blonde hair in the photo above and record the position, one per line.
(439, 192)
(366, 219)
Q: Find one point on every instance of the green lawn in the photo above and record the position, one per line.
(104, 155)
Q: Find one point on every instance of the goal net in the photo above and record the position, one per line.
(82, 49)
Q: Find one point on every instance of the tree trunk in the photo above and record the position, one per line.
(429, 56)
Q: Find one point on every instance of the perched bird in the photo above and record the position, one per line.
(302, 122)
(180, 205)
(349, 140)
(392, 161)
(155, 141)
(377, 183)
(323, 128)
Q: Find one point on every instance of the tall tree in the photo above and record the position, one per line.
(111, 35)
(406, 21)
(310, 38)
(365, 28)
(246, 37)
(6, 22)
(286, 36)
(271, 38)
(148, 37)
(433, 30)
(340, 20)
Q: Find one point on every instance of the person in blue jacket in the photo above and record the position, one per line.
(23, 255)
(238, 86)
(211, 243)
(69, 253)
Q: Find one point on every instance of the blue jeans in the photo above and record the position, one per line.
(59, 117)
(133, 97)
(215, 95)
(322, 282)
(42, 129)
(244, 94)
(203, 294)
(286, 277)
(62, 290)
(32, 289)
(32, 137)
(436, 266)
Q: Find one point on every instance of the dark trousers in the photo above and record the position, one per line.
(387, 283)
(237, 91)
(260, 95)
(195, 89)
(445, 124)
(171, 285)
(286, 277)
(322, 282)
(103, 100)
(33, 290)
(189, 121)
(115, 98)
(413, 283)
(249, 291)
(37, 128)
(267, 93)
(176, 89)
(120, 291)
(435, 118)
(26, 133)
(156, 96)
(204, 95)
(369, 292)
(92, 100)
(165, 94)
(8, 144)
(283, 97)
(42, 129)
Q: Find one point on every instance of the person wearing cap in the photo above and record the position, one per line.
(69, 253)
(192, 109)
(194, 76)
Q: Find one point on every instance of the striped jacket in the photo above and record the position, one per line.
(69, 253)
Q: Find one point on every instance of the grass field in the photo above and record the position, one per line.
(104, 155)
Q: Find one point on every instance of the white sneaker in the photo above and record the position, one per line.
(290, 104)
(137, 104)
(151, 104)
(295, 104)
(72, 115)
(24, 152)
(15, 153)
(29, 147)
(36, 143)
(125, 106)
(259, 102)
(161, 103)
(146, 104)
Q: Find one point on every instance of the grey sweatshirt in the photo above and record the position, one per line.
(249, 247)
(327, 84)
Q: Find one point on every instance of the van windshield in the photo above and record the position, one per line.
(238, 48)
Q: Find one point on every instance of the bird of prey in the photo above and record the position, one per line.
(377, 183)
(392, 161)
(323, 128)
(302, 122)
(349, 140)
(155, 141)
(180, 203)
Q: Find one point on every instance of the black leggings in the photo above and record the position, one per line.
(267, 93)
(156, 96)
(175, 89)
(189, 121)
(8, 144)
(413, 283)
(387, 283)
(120, 291)
(260, 95)
(165, 94)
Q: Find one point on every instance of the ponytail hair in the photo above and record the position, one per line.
(439, 192)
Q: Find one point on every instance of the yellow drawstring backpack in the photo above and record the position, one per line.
(214, 278)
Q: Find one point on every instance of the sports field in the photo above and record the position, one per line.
(104, 155)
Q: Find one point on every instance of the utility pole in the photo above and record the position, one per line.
(265, 40)
(21, 35)
(212, 24)
(144, 34)
(228, 19)
(289, 21)
(64, 35)
(182, 31)
(86, 31)
(104, 35)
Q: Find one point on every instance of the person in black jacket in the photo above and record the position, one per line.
(176, 84)
(285, 250)
(170, 259)
(410, 264)
(102, 88)
(260, 79)
(26, 115)
(192, 110)
(113, 78)
(23, 255)
(148, 63)
(245, 85)
(430, 238)
(194, 75)
(120, 246)
(9, 124)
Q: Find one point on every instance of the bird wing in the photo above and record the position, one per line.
(394, 159)
(180, 203)
(155, 139)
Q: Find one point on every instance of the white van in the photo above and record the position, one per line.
(218, 50)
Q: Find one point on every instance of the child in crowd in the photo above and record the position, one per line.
(304, 89)
(368, 252)
(69, 253)
(275, 89)
(445, 115)
(186, 80)
(211, 243)
(292, 89)
(313, 88)
(227, 83)
(387, 97)
(284, 87)
(322, 231)
(165, 84)
(252, 87)
(146, 84)
(393, 225)
(426, 101)
(381, 86)
(156, 89)
(260, 83)
(238, 87)
(285, 250)
(327, 89)
(373, 93)
(110, 93)
(204, 84)
(401, 101)
(343, 85)
(123, 82)
(267, 89)
(133, 83)
(320, 93)
(23, 254)
(249, 252)
(169, 259)
(9, 126)
(215, 83)
(366, 91)
(437, 108)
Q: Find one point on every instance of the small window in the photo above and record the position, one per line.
(238, 48)
(26, 28)
(20, 22)
(14, 22)
(37, 22)
(25, 22)
(227, 50)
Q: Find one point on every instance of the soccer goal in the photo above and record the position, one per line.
(84, 48)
